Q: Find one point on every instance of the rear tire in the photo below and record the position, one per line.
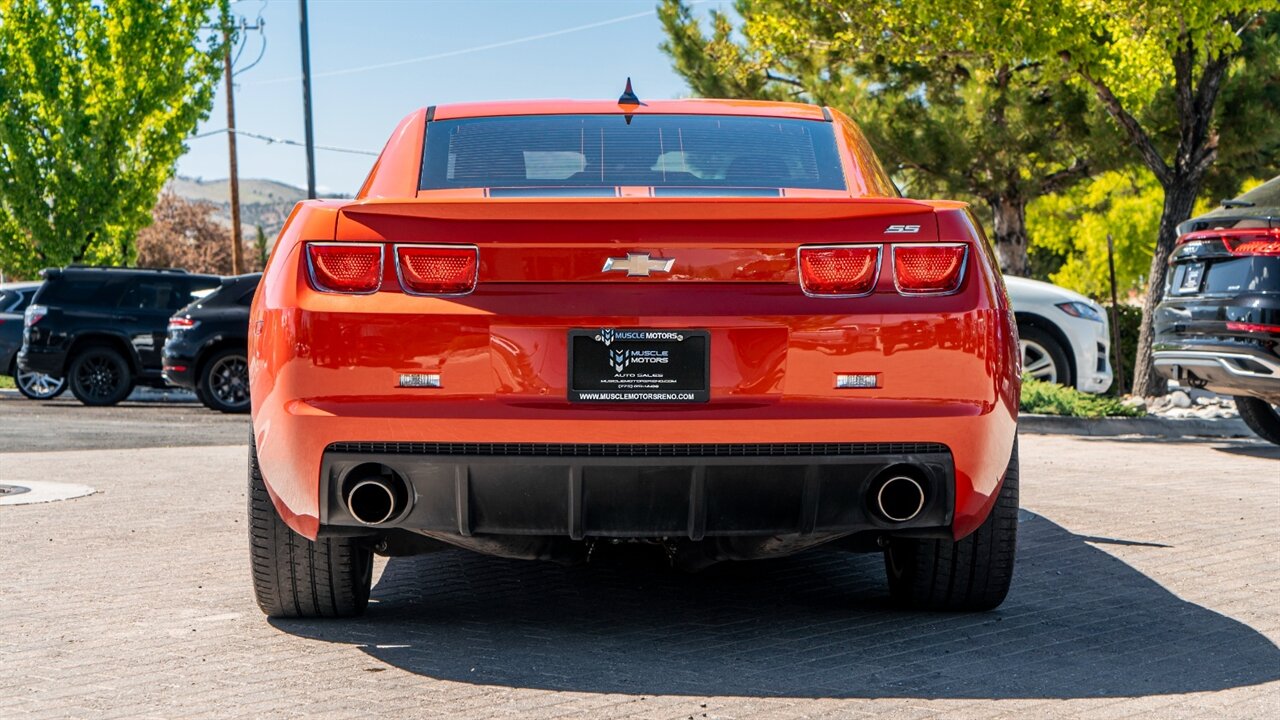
(224, 382)
(971, 574)
(1261, 416)
(294, 577)
(100, 376)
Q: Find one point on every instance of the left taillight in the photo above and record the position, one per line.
(437, 269)
(33, 314)
(353, 268)
(928, 268)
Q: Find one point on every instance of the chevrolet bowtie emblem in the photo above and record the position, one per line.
(638, 265)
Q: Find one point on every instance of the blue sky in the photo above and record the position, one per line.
(358, 109)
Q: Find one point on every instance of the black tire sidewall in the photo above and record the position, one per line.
(122, 389)
(205, 392)
(1055, 349)
(1261, 417)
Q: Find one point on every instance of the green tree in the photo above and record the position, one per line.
(260, 249)
(967, 125)
(1071, 229)
(1159, 69)
(95, 102)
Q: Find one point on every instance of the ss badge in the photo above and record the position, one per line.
(901, 229)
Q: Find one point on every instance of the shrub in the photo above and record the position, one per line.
(1052, 399)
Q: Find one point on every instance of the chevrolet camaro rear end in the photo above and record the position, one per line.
(709, 325)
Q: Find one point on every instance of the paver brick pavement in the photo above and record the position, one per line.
(1145, 587)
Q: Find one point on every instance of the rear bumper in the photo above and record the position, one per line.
(179, 365)
(48, 361)
(643, 491)
(1231, 369)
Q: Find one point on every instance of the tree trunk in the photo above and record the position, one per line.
(1179, 199)
(1010, 230)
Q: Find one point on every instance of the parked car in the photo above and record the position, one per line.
(1218, 326)
(712, 326)
(14, 299)
(206, 346)
(1063, 335)
(103, 328)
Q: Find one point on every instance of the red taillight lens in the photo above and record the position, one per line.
(345, 267)
(1257, 245)
(928, 268)
(841, 270)
(437, 269)
(181, 323)
(1253, 327)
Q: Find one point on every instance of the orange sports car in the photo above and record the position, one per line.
(711, 325)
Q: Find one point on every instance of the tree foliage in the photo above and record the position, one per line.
(95, 102)
(1160, 69)
(974, 125)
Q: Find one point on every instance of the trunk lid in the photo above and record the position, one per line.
(573, 239)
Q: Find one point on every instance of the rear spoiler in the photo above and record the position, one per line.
(638, 208)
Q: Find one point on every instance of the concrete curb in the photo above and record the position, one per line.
(1150, 425)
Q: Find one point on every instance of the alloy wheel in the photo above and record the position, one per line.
(1037, 362)
(39, 386)
(99, 377)
(229, 381)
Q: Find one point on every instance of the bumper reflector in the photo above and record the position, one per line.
(859, 380)
(420, 380)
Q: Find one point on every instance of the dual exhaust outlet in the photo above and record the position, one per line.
(375, 494)
(897, 498)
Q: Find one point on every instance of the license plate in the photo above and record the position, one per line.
(1192, 277)
(629, 365)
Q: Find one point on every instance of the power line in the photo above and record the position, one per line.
(283, 141)
(467, 51)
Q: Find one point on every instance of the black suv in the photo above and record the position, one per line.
(103, 328)
(207, 347)
(1219, 324)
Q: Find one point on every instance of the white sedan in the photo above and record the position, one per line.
(1064, 335)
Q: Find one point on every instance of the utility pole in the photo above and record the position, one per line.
(306, 101)
(1115, 316)
(237, 242)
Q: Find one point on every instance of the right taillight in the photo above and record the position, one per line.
(437, 269)
(928, 268)
(1260, 243)
(839, 270)
(345, 267)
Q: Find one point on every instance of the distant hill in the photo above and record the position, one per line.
(262, 202)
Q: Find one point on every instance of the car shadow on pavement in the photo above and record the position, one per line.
(1247, 447)
(1078, 623)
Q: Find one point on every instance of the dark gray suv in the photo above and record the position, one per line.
(1218, 326)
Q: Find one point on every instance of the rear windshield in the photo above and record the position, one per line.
(585, 155)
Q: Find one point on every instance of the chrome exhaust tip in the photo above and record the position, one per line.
(376, 497)
(900, 498)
